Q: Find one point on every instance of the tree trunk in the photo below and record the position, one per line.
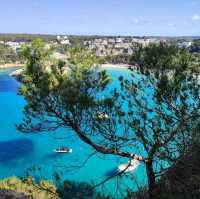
(151, 180)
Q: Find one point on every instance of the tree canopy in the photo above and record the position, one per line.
(149, 118)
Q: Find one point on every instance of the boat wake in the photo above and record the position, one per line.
(112, 172)
(126, 167)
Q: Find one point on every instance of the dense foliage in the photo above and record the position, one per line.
(42, 190)
(182, 180)
(195, 48)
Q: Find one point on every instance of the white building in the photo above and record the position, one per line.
(14, 45)
(185, 44)
(111, 40)
(58, 37)
(63, 40)
(119, 40)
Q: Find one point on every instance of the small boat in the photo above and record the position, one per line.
(128, 167)
(63, 150)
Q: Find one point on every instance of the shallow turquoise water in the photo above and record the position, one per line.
(19, 151)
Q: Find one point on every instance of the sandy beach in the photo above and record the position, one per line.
(121, 66)
(16, 65)
(12, 65)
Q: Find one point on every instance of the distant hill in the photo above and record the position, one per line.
(25, 37)
(80, 38)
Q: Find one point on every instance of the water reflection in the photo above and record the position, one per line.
(15, 149)
(7, 83)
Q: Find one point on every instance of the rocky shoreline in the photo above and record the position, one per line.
(17, 74)
(5, 194)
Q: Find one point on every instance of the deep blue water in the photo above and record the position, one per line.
(19, 152)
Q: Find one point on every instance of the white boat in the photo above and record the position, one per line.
(63, 150)
(102, 115)
(128, 167)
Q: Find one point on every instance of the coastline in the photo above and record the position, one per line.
(120, 66)
(11, 65)
(16, 65)
(19, 68)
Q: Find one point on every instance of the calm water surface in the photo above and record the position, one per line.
(19, 152)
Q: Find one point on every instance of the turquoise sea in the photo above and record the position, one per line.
(19, 152)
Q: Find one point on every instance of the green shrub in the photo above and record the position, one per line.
(42, 190)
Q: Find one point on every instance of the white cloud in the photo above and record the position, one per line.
(136, 21)
(171, 24)
(139, 21)
(196, 17)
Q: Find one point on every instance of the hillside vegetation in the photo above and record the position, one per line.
(42, 190)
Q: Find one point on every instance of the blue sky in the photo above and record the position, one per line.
(102, 17)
